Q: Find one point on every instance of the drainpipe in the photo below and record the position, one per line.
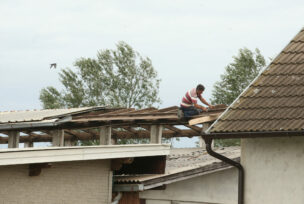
(117, 198)
(208, 142)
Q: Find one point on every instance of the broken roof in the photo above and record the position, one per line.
(181, 164)
(92, 117)
(39, 115)
(273, 102)
(82, 123)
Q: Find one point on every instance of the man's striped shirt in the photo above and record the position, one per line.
(190, 98)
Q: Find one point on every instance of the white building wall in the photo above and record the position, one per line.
(219, 187)
(64, 183)
(274, 170)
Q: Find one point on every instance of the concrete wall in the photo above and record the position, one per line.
(218, 187)
(67, 182)
(274, 170)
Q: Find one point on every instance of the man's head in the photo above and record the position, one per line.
(199, 89)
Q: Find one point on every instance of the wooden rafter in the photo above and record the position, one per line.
(124, 123)
(195, 128)
(170, 127)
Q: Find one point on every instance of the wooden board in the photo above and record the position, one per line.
(204, 119)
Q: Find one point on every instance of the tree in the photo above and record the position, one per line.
(116, 78)
(238, 75)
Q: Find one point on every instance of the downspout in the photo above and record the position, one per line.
(208, 142)
(117, 198)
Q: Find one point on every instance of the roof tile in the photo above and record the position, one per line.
(274, 102)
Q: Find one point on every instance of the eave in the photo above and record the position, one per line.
(260, 134)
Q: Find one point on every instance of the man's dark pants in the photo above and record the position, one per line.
(190, 111)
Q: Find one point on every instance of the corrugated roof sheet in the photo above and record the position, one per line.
(38, 115)
(274, 102)
(181, 160)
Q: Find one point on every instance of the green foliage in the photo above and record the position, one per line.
(116, 78)
(238, 75)
(51, 98)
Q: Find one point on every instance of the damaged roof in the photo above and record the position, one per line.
(39, 115)
(274, 100)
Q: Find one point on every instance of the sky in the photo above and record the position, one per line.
(188, 41)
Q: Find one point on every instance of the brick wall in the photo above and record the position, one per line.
(86, 182)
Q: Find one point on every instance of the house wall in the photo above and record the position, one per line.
(87, 182)
(219, 187)
(274, 170)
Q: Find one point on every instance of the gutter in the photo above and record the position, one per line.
(230, 135)
(208, 142)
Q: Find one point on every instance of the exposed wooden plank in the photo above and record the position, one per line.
(57, 137)
(99, 112)
(105, 135)
(116, 112)
(219, 106)
(204, 119)
(28, 144)
(171, 127)
(130, 117)
(156, 134)
(13, 139)
(81, 135)
(68, 143)
(145, 110)
(169, 109)
(195, 128)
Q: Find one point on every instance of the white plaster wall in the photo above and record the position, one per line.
(274, 170)
(219, 187)
(85, 182)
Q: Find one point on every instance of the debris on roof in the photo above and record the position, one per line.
(83, 123)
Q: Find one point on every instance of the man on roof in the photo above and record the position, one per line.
(189, 105)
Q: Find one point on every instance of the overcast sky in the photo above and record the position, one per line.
(188, 41)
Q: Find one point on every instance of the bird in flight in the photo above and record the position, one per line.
(53, 65)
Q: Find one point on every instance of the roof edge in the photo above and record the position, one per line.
(261, 134)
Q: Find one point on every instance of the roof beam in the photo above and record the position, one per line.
(13, 139)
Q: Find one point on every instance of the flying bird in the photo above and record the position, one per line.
(53, 65)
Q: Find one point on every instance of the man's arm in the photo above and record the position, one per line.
(205, 102)
(200, 107)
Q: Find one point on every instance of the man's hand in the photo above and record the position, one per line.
(204, 109)
(211, 106)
